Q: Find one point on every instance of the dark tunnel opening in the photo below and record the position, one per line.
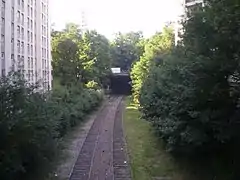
(120, 84)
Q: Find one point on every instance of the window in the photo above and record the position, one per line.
(22, 5)
(29, 63)
(18, 16)
(31, 50)
(28, 10)
(28, 36)
(12, 29)
(22, 47)
(32, 63)
(18, 46)
(22, 33)
(3, 59)
(31, 25)
(31, 37)
(32, 75)
(3, 8)
(22, 62)
(12, 45)
(3, 72)
(18, 31)
(28, 75)
(28, 22)
(42, 52)
(12, 14)
(2, 41)
(3, 26)
(12, 59)
(28, 49)
(31, 12)
(22, 19)
(42, 7)
(43, 65)
(19, 59)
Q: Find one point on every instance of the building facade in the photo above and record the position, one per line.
(188, 6)
(25, 40)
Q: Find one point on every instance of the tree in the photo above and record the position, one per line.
(94, 52)
(80, 57)
(64, 53)
(192, 97)
(126, 49)
(156, 47)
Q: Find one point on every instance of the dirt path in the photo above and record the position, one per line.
(103, 154)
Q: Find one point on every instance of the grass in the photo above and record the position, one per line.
(146, 156)
(149, 160)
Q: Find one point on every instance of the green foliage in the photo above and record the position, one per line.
(80, 56)
(74, 103)
(192, 97)
(92, 85)
(94, 54)
(27, 130)
(155, 49)
(126, 49)
(31, 123)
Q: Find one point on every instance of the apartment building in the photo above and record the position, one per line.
(25, 40)
(187, 6)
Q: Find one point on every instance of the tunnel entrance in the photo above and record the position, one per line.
(120, 84)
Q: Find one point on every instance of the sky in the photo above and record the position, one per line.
(111, 16)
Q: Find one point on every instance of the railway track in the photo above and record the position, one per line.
(103, 154)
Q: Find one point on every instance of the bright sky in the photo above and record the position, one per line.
(111, 16)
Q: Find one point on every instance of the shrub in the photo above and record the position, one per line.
(31, 123)
(190, 104)
(73, 105)
(156, 47)
(27, 130)
(92, 85)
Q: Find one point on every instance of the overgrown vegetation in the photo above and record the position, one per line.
(156, 47)
(80, 57)
(191, 96)
(32, 122)
(127, 49)
(149, 159)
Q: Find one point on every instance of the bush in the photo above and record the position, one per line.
(92, 85)
(27, 130)
(73, 105)
(192, 99)
(190, 104)
(160, 43)
(31, 123)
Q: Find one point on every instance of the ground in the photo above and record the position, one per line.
(146, 161)
(101, 148)
(149, 159)
(115, 144)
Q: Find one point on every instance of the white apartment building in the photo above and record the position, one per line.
(25, 40)
(187, 6)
